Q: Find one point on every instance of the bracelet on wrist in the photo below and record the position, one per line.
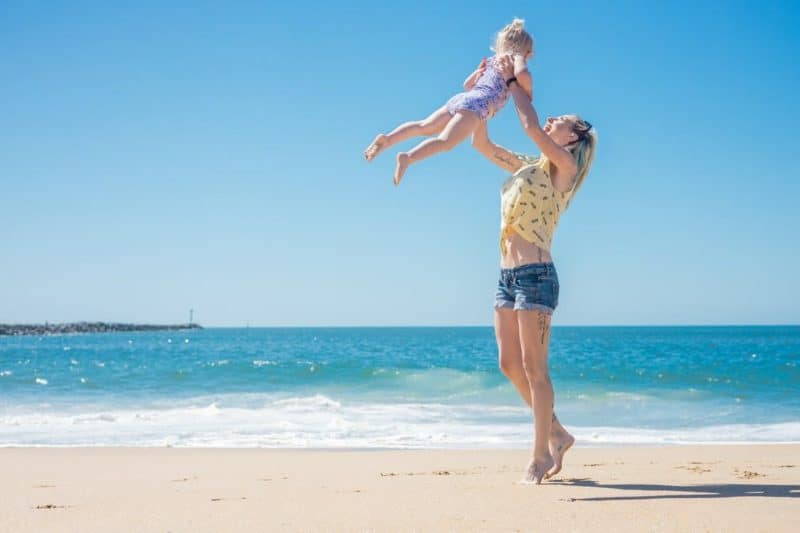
(510, 80)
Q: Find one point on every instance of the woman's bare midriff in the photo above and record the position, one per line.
(521, 252)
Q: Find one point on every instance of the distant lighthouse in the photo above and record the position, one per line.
(191, 316)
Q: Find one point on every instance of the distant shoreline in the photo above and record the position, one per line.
(86, 327)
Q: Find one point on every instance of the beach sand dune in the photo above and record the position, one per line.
(676, 488)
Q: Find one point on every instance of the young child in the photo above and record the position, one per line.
(486, 93)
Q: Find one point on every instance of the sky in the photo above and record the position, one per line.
(159, 157)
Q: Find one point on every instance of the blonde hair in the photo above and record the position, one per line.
(582, 149)
(513, 38)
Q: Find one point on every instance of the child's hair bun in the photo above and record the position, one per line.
(514, 38)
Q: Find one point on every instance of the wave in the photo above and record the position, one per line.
(319, 421)
(778, 433)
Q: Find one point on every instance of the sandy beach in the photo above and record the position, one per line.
(677, 488)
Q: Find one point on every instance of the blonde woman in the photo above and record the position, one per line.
(533, 198)
(485, 94)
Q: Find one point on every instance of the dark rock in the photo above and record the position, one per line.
(86, 327)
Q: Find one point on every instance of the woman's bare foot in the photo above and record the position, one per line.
(559, 444)
(400, 169)
(537, 469)
(375, 147)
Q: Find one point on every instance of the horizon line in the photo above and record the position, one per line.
(295, 326)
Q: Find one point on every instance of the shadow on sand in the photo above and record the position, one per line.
(726, 490)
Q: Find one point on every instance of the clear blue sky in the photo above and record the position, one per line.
(156, 158)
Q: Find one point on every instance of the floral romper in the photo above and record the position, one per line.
(486, 98)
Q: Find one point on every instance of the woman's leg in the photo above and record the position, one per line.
(509, 348)
(460, 126)
(534, 329)
(432, 125)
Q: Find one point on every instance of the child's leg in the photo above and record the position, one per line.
(432, 125)
(458, 128)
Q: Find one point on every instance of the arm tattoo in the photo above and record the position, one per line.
(500, 157)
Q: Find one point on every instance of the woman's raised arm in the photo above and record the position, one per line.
(502, 157)
(559, 156)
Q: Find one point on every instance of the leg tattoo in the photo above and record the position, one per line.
(543, 326)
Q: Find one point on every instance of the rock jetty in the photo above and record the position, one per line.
(86, 327)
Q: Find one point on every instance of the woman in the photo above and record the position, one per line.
(533, 198)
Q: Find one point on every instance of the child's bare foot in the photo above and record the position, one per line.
(559, 445)
(375, 147)
(537, 469)
(400, 169)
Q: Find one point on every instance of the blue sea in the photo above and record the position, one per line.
(394, 387)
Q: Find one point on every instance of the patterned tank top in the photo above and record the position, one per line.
(530, 205)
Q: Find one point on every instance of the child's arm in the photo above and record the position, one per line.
(472, 79)
(523, 75)
(502, 157)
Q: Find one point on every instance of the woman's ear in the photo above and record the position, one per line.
(571, 140)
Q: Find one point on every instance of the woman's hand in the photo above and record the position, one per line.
(514, 67)
(506, 67)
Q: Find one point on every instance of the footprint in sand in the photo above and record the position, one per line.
(697, 469)
(228, 499)
(747, 474)
(433, 473)
(50, 506)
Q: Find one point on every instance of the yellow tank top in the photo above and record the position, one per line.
(530, 205)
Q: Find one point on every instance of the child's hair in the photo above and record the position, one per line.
(513, 38)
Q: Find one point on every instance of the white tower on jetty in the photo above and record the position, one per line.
(191, 316)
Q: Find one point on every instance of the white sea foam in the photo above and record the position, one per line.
(306, 402)
(41, 381)
(317, 420)
(720, 434)
(5, 373)
(261, 362)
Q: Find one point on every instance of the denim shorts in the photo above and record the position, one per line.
(531, 287)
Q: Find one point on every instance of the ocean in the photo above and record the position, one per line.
(437, 387)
